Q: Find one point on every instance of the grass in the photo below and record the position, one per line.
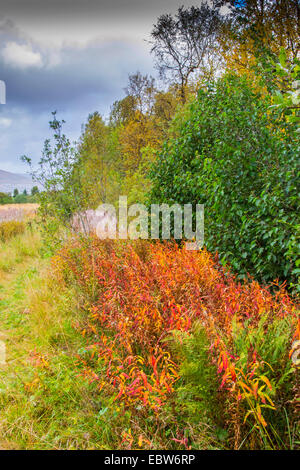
(17, 211)
(17, 251)
(44, 405)
(11, 229)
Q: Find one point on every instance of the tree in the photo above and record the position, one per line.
(58, 174)
(165, 106)
(257, 29)
(134, 137)
(186, 43)
(142, 89)
(16, 192)
(287, 95)
(94, 161)
(138, 123)
(34, 191)
(122, 111)
(21, 199)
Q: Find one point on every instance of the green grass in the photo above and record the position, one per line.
(43, 407)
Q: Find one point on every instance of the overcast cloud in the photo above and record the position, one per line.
(73, 56)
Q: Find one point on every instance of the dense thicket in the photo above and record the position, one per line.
(243, 164)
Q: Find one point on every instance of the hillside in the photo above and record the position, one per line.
(13, 178)
(9, 181)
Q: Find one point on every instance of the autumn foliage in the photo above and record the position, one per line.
(140, 294)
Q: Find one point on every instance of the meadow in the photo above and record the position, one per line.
(17, 211)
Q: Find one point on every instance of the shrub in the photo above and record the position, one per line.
(5, 198)
(231, 156)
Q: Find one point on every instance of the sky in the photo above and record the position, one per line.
(69, 56)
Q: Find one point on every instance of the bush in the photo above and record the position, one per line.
(229, 155)
(11, 229)
(5, 198)
(22, 199)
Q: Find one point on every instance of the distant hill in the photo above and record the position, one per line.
(13, 178)
(10, 181)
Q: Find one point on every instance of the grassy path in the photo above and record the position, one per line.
(43, 402)
(19, 263)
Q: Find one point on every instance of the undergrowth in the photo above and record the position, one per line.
(138, 345)
(10, 229)
(140, 297)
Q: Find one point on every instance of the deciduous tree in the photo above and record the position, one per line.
(185, 44)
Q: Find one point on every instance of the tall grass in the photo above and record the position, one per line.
(17, 212)
(11, 229)
(43, 402)
(15, 251)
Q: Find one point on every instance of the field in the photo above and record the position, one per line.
(17, 211)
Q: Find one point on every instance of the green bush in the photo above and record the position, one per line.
(229, 154)
(5, 198)
(11, 229)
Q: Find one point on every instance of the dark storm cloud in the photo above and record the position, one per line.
(99, 66)
(84, 80)
(71, 20)
(96, 69)
(83, 8)
(73, 56)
